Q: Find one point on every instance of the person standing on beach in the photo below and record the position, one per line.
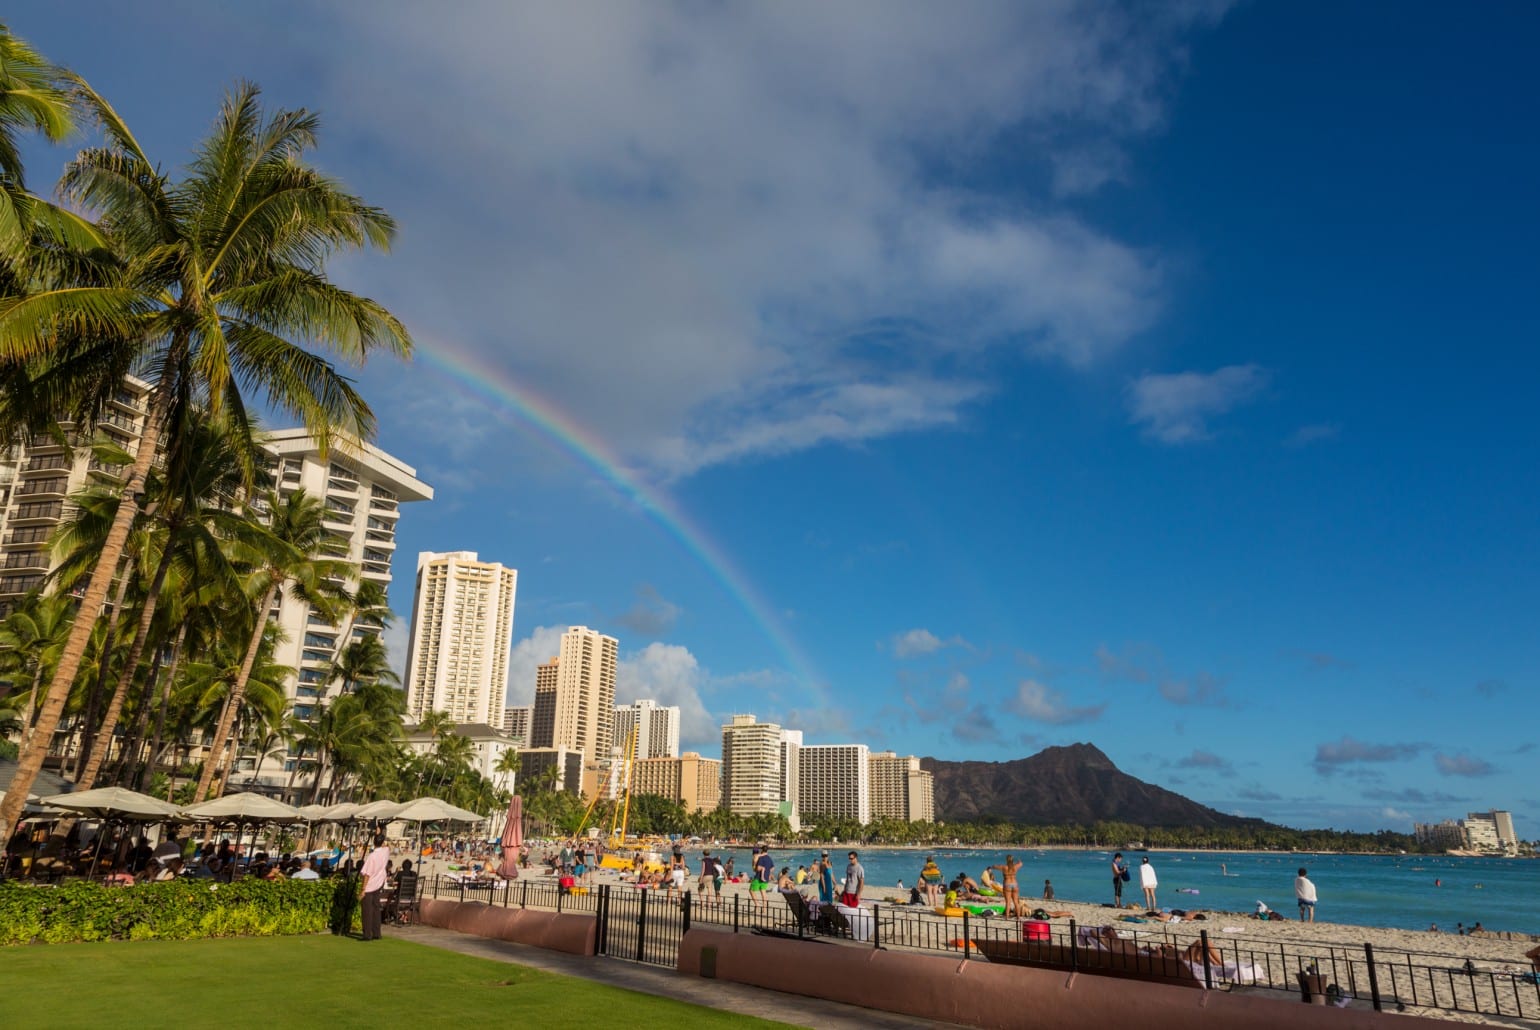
(855, 879)
(710, 875)
(930, 881)
(825, 880)
(1148, 881)
(1304, 891)
(374, 882)
(1008, 887)
(1119, 874)
(764, 869)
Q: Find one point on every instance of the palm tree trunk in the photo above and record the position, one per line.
(88, 733)
(320, 767)
(165, 703)
(30, 761)
(237, 695)
(133, 741)
(87, 779)
(37, 685)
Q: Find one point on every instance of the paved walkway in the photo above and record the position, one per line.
(635, 976)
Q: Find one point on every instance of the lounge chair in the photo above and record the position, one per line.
(403, 907)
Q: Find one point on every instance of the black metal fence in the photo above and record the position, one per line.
(648, 925)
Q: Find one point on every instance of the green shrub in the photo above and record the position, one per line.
(176, 910)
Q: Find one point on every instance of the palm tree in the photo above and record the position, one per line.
(31, 639)
(507, 768)
(292, 554)
(193, 512)
(217, 287)
(363, 661)
(34, 96)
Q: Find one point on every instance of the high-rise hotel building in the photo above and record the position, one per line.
(693, 781)
(900, 789)
(575, 695)
(753, 767)
(834, 782)
(461, 637)
(656, 727)
(38, 475)
(363, 489)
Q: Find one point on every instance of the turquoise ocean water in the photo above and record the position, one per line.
(1371, 890)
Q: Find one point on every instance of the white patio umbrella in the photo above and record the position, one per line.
(343, 812)
(433, 810)
(115, 803)
(313, 813)
(245, 807)
(377, 810)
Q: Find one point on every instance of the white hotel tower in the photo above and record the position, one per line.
(461, 636)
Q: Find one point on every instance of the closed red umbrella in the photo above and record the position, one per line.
(513, 839)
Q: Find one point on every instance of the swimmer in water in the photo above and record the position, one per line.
(1438, 883)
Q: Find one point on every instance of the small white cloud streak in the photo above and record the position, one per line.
(1176, 408)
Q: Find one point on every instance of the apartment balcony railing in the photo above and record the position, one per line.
(20, 584)
(25, 560)
(40, 464)
(38, 510)
(117, 421)
(28, 535)
(57, 486)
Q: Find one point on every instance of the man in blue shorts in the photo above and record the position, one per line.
(1304, 891)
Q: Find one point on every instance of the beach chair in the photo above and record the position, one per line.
(408, 890)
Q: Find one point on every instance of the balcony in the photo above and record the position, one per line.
(383, 506)
(44, 442)
(55, 487)
(20, 584)
(26, 560)
(124, 399)
(38, 510)
(48, 464)
(29, 535)
(122, 423)
(106, 468)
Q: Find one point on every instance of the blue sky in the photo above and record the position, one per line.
(1052, 374)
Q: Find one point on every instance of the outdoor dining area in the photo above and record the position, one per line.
(117, 836)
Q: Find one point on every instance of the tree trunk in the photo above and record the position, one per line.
(30, 761)
(88, 732)
(237, 695)
(165, 702)
(87, 779)
(133, 740)
(320, 767)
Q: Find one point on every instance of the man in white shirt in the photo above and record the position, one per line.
(304, 872)
(1304, 890)
(374, 883)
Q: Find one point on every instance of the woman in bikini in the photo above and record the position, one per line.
(1008, 888)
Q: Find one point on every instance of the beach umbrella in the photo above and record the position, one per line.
(245, 807)
(314, 813)
(513, 839)
(343, 812)
(115, 803)
(377, 810)
(432, 810)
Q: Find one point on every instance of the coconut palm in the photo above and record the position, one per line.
(31, 639)
(217, 288)
(193, 512)
(364, 660)
(295, 552)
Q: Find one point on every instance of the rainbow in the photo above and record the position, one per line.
(480, 379)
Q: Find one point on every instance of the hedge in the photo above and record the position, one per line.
(181, 909)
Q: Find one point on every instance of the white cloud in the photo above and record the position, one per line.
(918, 642)
(652, 615)
(1176, 408)
(1044, 704)
(396, 637)
(1396, 815)
(714, 232)
(670, 675)
(540, 646)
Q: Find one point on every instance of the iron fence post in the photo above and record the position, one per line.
(1374, 976)
(735, 913)
(602, 918)
(641, 927)
(967, 936)
(524, 895)
(685, 914)
(1208, 973)
(559, 893)
(876, 927)
(1074, 946)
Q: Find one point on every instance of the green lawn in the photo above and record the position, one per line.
(311, 981)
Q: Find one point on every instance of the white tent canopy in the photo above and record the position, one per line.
(432, 810)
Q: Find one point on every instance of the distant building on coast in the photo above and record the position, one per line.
(900, 789)
(834, 782)
(460, 638)
(693, 781)
(1487, 832)
(516, 723)
(656, 726)
(575, 695)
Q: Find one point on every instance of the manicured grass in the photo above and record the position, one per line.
(311, 981)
